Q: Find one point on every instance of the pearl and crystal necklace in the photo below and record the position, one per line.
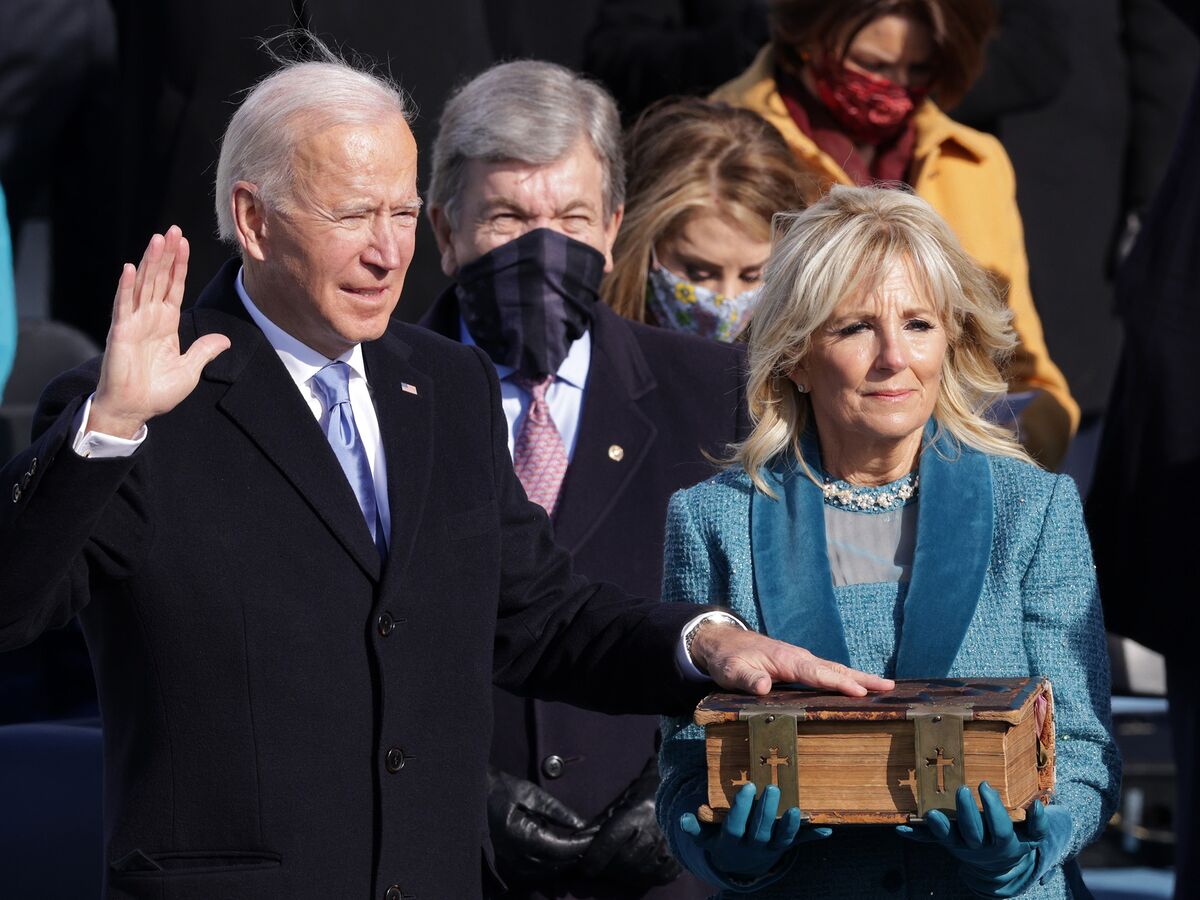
(883, 498)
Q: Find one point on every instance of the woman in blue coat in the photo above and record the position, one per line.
(878, 517)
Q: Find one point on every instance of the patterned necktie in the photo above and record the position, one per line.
(539, 455)
(332, 384)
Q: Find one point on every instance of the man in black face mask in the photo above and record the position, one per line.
(607, 418)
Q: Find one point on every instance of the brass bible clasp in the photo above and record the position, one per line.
(773, 757)
(939, 758)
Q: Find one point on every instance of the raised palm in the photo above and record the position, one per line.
(143, 373)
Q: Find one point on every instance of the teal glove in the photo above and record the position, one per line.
(998, 859)
(748, 844)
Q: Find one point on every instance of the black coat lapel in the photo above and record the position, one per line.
(615, 435)
(618, 381)
(404, 399)
(263, 402)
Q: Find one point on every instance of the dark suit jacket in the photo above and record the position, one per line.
(285, 716)
(1086, 159)
(1148, 472)
(663, 398)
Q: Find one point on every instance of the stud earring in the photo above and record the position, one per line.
(801, 388)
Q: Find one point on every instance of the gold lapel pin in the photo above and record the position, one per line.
(616, 453)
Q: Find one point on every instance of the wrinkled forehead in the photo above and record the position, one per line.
(576, 177)
(378, 157)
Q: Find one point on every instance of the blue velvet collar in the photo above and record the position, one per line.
(792, 577)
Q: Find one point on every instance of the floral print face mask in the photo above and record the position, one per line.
(679, 304)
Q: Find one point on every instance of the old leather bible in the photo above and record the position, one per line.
(883, 758)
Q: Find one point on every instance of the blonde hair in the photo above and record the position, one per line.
(841, 246)
(687, 155)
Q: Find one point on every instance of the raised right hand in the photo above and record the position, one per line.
(143, 374)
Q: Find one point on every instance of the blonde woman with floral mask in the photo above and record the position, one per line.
(705, 179)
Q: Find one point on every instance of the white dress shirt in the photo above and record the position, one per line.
(302, 363)
(564, 396)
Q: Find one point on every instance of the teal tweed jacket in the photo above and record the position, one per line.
(1002, 585)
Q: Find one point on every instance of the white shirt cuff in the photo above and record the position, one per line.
(683, 659)
(96, 445)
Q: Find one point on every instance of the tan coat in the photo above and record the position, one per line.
(966, 176)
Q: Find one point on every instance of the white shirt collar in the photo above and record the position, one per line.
(573, 370)
(301, 360)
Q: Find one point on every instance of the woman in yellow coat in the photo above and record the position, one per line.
(850, 85)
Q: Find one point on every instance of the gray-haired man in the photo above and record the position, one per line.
(526, 198)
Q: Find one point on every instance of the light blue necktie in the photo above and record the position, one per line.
(332, 384)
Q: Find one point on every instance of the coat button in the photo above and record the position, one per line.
(16, 495)
(33, 466)
(393, 893)
(386, 624)
(553, 766)
(892, 881)
(394, 760)
(616, 453)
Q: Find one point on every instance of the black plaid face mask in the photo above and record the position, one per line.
(527, 300)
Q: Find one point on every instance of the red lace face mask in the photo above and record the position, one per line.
(871, 109)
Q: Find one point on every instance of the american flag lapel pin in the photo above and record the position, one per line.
(408, 388)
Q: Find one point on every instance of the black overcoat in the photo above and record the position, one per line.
(284, 716)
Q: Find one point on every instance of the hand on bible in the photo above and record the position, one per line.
(536, 837)
(751, 840)
(143, 374)
(999, 859)
(742, 660)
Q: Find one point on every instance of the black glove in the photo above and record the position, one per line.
(630, 849)
(536, 838)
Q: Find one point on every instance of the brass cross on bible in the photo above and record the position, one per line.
(775, 761)
(941, 762)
